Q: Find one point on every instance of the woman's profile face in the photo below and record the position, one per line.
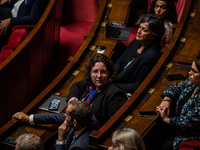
(99, 74)
(143, 33)
(161, 8)
(194, 75)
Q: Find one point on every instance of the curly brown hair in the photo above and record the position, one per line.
(99, 58)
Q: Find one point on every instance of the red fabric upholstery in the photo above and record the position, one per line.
(191, 144)
(186, 148)
(82, 15)
(12, 46)
(4, 54)
(72, 36)
(19, 33)
(17, 36)
(179, 8)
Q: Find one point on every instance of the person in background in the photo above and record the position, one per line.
(141, 55)
(29, 142)
(127, 139)
(18, 12)
(76, 124)
(166, 9)
(185, 120)
(98, 88)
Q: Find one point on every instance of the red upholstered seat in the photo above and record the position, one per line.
(186, 148)
(19, 33)
(82, 15)
(4, 54)
(72, 36)
(190, 145)
(17, 36)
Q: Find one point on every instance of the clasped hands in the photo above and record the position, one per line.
(163, 109)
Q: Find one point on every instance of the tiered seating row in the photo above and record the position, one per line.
(77, 63)
(105, 131)
(22, 74)
(19, 33)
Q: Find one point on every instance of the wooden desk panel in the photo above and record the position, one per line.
(12, 128)
(119, 12)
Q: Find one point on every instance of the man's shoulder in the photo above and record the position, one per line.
(82, 141)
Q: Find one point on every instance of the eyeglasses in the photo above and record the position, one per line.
(193, 71)
(162, 7)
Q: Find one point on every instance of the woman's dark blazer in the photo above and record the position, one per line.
(130, 78)
(105, 104)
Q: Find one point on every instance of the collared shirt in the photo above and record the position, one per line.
(15, 9)
(77, 133)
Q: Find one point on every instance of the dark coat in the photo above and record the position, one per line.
(105, 104)
(81, 142)
(130, 78)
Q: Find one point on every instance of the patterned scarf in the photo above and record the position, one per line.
(92, 91)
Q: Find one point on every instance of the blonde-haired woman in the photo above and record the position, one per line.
(127, 139)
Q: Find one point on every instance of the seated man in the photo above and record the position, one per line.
(18, 12)
(76, 125)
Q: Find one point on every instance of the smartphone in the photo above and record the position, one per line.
(54, 105)
(174, 77)
(147, 113)
(183, 63)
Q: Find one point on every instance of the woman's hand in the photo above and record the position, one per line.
(72, 99)
(163, 104)
(163, 110)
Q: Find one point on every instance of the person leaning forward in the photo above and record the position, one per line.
(76, 124)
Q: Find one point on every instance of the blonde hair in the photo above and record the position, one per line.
(128, 139)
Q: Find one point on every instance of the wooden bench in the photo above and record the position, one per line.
(62, 83)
